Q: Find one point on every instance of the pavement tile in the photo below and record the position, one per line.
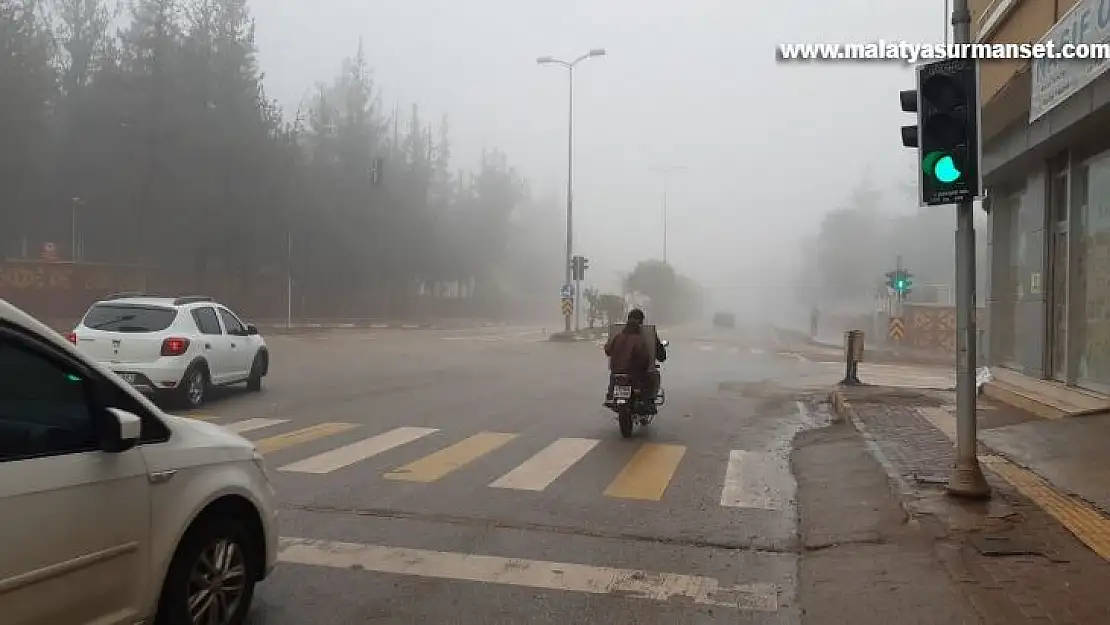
(1066, 583)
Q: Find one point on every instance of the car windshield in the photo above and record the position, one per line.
(129, 318)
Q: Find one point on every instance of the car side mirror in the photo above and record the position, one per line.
(123, 431)
(666, 343)
(252, 330)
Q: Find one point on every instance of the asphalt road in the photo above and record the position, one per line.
(473, 477)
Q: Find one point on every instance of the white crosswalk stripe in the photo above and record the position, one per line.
(749, 479)
(350, 454)
(539, 471)
(250, 425)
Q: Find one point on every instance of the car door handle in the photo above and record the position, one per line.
(233, 346)
(207, 346)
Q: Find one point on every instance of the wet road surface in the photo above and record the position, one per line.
(473, 477)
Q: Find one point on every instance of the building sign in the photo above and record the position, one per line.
(1056, 80)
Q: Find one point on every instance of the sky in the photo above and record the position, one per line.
(768, 146)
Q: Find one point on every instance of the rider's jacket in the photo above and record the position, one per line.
(627, 353)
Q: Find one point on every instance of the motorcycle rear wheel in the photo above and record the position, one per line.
(624, 419)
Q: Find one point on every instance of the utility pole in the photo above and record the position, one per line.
(288, 278)
(666, 173)
(570, 189)
(967, 478)
(569, 66)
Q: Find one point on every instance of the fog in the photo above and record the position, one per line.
(767, 148)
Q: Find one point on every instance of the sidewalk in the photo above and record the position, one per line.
(861, 562)
(874, 350)
(1033, 553)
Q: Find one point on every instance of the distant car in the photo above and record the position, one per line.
(724, 320)
(180, 346)
(114, 511)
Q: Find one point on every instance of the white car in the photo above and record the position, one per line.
(111, 511)
(178, 346)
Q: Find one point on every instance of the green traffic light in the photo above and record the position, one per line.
(942, 167)
(946, 170)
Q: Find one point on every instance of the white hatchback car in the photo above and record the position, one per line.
(179, 346)
(111, 511)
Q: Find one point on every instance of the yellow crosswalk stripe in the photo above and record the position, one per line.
(434, 466)
(648, 473)
(304, 435)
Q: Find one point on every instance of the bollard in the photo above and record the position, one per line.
(853, 355)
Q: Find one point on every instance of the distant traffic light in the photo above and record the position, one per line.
(376, 167)
(578, 266)
(899, 281)
(948, 131)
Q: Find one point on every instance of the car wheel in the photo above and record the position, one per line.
(254, 382)
(194, 387)
(212, 577)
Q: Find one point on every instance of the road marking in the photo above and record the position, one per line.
(648, 473)
(705, 348)
(433, 467)
(296, 437)
(1080, 518)
(544, 575)
(250, 425)
(198, 417)
(355, 452)
(756, 351)
(750, 479)
(539, 471)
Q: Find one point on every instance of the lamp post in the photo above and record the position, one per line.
(666, 172)
(569, 66)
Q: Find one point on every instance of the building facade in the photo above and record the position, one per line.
(1046, 168)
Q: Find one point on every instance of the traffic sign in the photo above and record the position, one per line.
(567, 291)
(897, 329)
(568, 307)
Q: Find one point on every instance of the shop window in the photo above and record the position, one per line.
(1092, 285)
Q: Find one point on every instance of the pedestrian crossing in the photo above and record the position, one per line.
(746, 479)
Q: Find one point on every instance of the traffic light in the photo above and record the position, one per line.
(948, 131)
(376, 167)
(901, 282)
(578, 266)
(910, 134)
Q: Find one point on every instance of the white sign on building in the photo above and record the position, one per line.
(1056, 80)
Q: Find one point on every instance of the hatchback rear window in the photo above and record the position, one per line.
(129, 318)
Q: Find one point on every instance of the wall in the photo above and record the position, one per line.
(932, 327)
(59, 293)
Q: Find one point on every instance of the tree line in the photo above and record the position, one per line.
(155, 144)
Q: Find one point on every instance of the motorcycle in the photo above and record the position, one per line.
(630, 405)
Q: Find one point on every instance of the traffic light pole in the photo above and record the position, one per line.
(967, 478)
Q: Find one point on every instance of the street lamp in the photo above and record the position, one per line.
(569, 66)
(667, 171)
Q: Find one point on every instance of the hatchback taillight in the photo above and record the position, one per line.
(174, 346)
(72, 338)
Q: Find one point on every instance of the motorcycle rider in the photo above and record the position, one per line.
(628, 354)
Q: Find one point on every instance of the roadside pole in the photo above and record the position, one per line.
(967, 478)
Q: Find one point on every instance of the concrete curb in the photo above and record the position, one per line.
(843, 411)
